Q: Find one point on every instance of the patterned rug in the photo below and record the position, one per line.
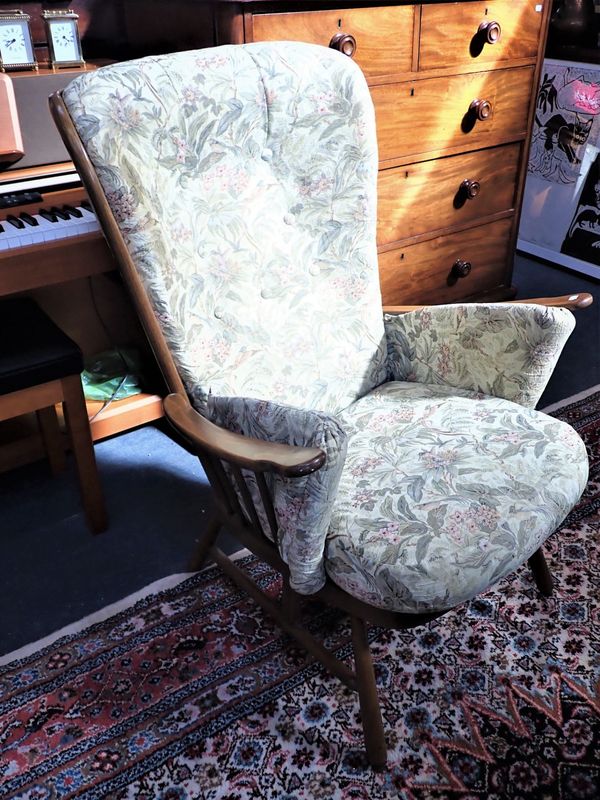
(191, 692)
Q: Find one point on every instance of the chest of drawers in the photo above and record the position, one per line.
(453, 85)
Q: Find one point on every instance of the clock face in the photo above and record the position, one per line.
(15, 43)
(65, 42)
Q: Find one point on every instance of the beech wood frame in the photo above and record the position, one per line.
(216, 446)
(42, 399)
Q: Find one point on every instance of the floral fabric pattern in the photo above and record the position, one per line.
(444, 492)
(243, 180)
(303, 505)
(506, 350)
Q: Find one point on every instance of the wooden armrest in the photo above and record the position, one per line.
(573, 302)
(246, 452)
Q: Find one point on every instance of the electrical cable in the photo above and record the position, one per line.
(112, 346)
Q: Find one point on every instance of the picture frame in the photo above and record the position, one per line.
(62, 34)
(560, 219)
(16, 43)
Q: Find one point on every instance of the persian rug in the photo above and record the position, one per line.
(190, 692)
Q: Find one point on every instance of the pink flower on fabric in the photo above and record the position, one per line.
(443, 363)
(122, 204)
(288, 514)
(122, 113)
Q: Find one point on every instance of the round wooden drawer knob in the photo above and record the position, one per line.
(481, 109)
(490, 32)
(460, 268)
(470, 188)
(345, 43)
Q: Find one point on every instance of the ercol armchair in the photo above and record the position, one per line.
(392, 466)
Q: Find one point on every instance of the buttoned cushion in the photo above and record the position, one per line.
(445, 491)
(244, 182)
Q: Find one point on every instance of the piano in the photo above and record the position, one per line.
(51, 247)
(48, 231)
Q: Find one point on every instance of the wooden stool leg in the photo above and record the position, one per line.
(541, 573)
(53, 440)
(83, 450)
(369, 701)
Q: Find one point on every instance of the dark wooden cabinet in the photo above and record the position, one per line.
(453, 84)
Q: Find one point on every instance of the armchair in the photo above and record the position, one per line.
(394, 467)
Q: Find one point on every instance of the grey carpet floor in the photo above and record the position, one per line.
(54, 571)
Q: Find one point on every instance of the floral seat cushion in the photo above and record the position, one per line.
(414, 527)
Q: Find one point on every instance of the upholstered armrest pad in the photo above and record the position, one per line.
(302, 505)
(501, 349)
(257, 455)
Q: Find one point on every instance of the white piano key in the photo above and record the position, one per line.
(47, 231)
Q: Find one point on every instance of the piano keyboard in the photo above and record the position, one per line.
(48, 233)
(47, 225)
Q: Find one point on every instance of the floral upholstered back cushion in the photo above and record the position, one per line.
(243, 179)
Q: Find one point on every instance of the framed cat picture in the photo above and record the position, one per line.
(560, 220)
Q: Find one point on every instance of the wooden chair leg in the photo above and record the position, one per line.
(207, 540)
(53, 440)
(298, 632)
(541, 573)
(369, 701)
(83, 450)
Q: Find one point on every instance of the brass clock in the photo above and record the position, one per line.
(16, 45)
(64, 43)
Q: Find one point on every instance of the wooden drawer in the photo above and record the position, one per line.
(384, 36)
(424, 273)
(433, 114)
(430, 195)
(450, 32)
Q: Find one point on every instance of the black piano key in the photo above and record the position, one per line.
(60, 214)
(18, 223)
(72, 211)
(28, 219)
(1, 229)
(87, 205)
(43, 212)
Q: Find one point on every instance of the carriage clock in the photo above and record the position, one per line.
(62, 33)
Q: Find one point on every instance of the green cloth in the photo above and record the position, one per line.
(111, 375)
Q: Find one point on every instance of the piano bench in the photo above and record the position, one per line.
(41, 366)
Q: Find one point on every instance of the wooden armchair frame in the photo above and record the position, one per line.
(216, 447)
